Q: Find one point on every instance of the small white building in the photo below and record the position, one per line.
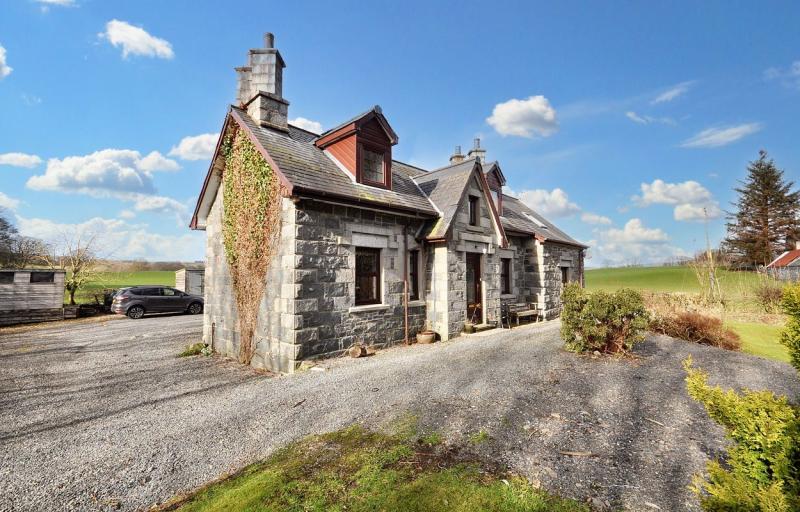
(191, 279)
(31, 295)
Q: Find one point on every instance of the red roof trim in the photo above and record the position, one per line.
(193, 223)
(785, 259)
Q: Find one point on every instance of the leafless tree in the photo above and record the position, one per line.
(76, 253)
(26, 251)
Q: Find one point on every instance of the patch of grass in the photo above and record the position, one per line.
(761, 340)
(668, 279)
(479, 437)
(120, 280)
(432, 439)
(193, 350)
(358, 471)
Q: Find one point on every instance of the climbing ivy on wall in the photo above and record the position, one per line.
(251, 227)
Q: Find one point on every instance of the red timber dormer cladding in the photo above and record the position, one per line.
(363, 146)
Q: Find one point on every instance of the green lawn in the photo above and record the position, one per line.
(666, 279)
(757, 338)
(121, 279)
(356, 470)
(761, 340)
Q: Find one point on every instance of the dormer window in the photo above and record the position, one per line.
(362, 147)
(373, 166)
(497, 195)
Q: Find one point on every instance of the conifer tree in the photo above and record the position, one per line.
(766, 221)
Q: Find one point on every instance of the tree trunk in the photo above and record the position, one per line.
(72, 297)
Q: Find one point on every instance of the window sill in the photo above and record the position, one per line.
(470, 227)
(368, 307)
(508, 295)
(416, 303)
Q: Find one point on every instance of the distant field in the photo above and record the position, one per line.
(122, 279)
(760, 339)
(667, 279)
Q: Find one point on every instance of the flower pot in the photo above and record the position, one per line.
(426, 337)
(469, 328)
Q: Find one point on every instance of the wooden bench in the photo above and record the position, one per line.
(518, 311)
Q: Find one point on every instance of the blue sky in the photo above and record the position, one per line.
(620, 121)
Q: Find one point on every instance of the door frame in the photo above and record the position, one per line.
(476, 259)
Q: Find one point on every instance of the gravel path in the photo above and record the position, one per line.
(105, 417)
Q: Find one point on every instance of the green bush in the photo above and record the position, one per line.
(602, 321)
(790, 336)
(762, 473)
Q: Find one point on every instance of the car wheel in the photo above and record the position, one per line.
(195, 308)
(136, 312)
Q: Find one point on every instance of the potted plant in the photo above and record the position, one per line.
(469, 327)
(426, 335)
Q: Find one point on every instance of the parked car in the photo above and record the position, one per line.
(135, 301)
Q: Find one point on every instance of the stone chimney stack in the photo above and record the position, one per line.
(260, 86)
(477, 151)
(456, 157)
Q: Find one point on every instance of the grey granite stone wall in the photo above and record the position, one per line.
(556, 256)
(326, 240)
(274, 334)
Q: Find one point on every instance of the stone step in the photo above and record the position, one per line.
(484, 327)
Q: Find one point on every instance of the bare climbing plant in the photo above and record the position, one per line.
(251, 227)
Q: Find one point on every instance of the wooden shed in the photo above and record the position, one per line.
(31, 295)
(191, 279)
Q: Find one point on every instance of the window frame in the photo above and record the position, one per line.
(413, 274)
(374, 148)
(564, 276)
(51, 277)
(12, 274)
(505, 276)
(376, 274)
(474, 210)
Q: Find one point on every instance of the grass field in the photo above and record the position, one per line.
(122, 279)
(357, 470)
(667, 279)
(760, 339)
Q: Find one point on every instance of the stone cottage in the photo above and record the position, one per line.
(372, 250)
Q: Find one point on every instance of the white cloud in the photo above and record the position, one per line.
(788, 77)
(692, 201)
(155, 161)
(660, 192)
(722, 136)
(119, 239)
(552, 204)
(306, 124)
(633, 244)
(63, 3)
(524, 118)
(8, 202)
(197, 147)
(635, 232)
(161, 205)
(31, 99)
(697, 213)
(127, 214)
(100, 174)
(645, 119)
(672, 93)
(5, 69)
(136, 41)
(593, 218)
(20, 160)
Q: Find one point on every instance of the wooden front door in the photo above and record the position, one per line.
(474, 295)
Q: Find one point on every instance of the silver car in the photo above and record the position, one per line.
(137, 301)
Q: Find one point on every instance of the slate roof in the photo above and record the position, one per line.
(436, 194)
(310, 170)
(518, 217)
(445, 188)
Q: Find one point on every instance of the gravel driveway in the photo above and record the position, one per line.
(105, 417)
